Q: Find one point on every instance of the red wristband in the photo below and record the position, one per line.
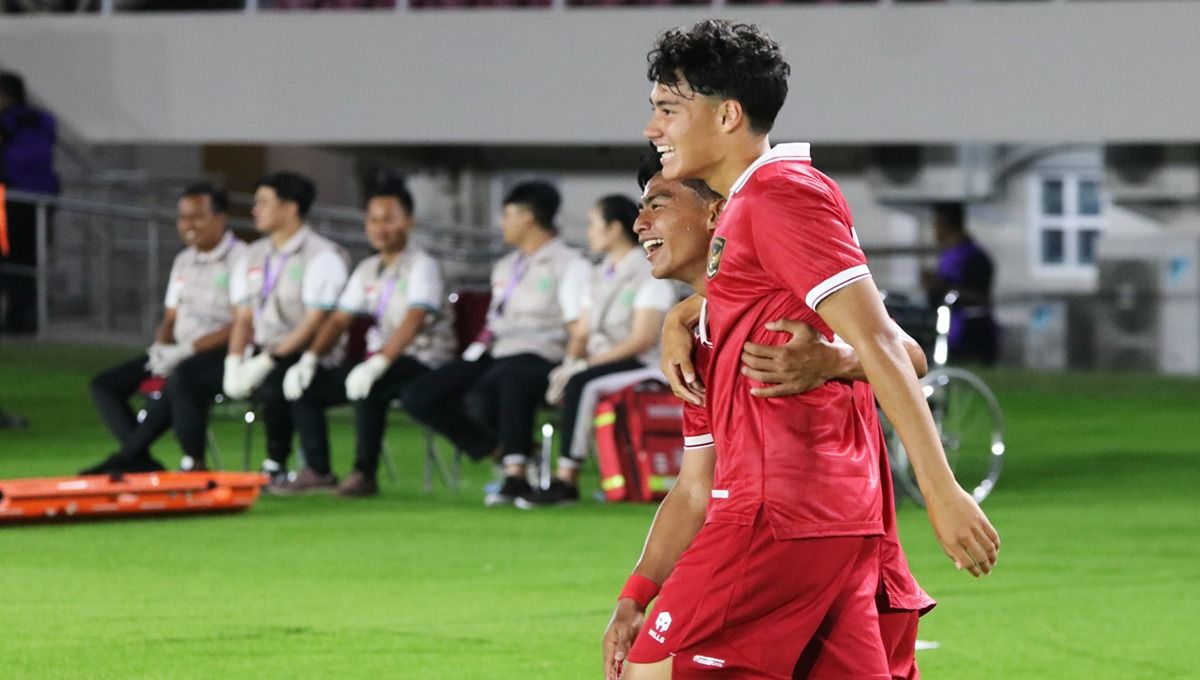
(639, 589)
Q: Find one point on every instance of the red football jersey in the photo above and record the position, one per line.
(784, 242)
(697, 434)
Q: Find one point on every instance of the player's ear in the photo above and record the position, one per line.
(714, 213)
(731, 115)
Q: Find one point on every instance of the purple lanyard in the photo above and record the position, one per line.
(385, 296)
(271, 278)
(511, 287)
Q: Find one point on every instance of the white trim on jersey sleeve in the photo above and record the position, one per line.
(570, 289)
(835, 283)
(699, 441)
(354, 296)
(656, 294)
(324, 276)
(425, 288)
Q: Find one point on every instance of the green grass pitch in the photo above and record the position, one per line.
(1099, 576)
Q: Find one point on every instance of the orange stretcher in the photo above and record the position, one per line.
(143, 493)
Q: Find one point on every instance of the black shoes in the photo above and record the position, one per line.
(559, 493)
(512, 489)
(119, 463)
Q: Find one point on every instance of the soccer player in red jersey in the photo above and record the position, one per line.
(672, 226)
(780, 581)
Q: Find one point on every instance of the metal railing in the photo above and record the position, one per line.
(102, 267)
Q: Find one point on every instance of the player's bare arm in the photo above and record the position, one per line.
(856, 313)
(398, 341)
(676, 356)
(679, 517)
(807, 360)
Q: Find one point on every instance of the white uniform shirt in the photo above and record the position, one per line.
(198, 290)
(534, 297)
(413, 279)
(282, 284)
(615, 291)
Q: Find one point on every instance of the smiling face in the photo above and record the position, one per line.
(674, 227)
(198, 225)
(387, 224)
(685, 127)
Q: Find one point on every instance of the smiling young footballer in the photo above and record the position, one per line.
(782, 577)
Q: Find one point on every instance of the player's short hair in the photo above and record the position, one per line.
(619, 208)
(217, 199)
(13, 87)
(394, 188)
(951, 215)
(291, 186)
(727, 60)
(539, 198)
(651, 165)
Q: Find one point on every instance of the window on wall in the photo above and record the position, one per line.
(1068, 218)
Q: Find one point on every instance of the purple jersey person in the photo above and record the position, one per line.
(965, 268)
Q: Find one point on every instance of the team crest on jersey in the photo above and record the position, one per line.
(714, 256)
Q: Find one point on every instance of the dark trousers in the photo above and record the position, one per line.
(19, 289)
(328, 389)
(276, 412)
(112, 389)
(573, 392)
(479, 404)
(189, 393)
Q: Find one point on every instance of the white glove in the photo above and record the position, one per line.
(474, 351)
(300, 376)
(364, 375)
(164, 358)
(561, 375)
(255, 371)
(231, 382)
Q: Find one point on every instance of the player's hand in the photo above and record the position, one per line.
(255, 370)
(164, 358)
(299, 377)
(231, 381)
(966, 535)
(804, 362)
(676, 363)
(561, 375)
(626, 622)
(364, 375)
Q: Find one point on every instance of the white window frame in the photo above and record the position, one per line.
(1070, 222)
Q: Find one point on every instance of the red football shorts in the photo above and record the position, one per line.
(741, 604)
(898, 629)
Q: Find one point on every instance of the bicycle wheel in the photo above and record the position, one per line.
(971, 427)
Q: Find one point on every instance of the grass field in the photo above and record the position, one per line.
(1099, 576)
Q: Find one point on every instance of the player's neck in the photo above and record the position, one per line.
(619, 250)
(741, 156)
(697, 278)
(281, 235)
(536, 239)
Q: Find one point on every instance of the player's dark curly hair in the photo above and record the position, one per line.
(651, 164)
(728, 60)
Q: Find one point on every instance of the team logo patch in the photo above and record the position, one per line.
(714, 256)
(661, 624)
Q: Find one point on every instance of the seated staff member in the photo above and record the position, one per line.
(486, 402)
(285, 287)
(616, 336)
(401, 289)
(197, 317)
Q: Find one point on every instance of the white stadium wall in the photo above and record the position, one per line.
(1064, 71)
